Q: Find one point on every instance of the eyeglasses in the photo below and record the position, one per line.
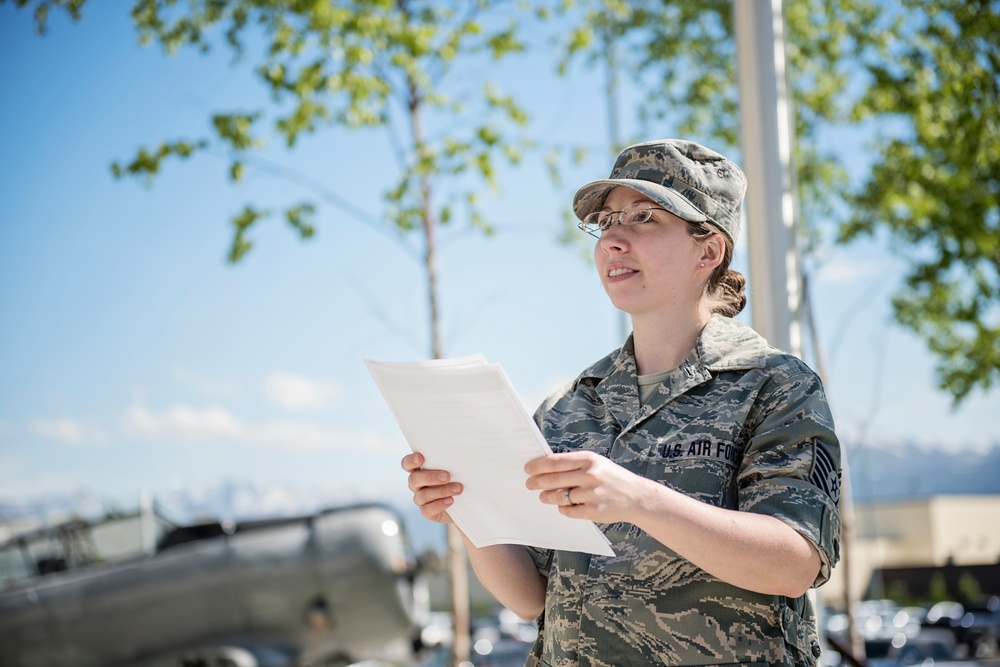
(601, 221)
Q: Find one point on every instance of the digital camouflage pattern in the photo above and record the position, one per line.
(739, 425)
(693, 182)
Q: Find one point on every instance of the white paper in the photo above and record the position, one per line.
(464, 416)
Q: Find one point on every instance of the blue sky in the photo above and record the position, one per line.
(133, 358)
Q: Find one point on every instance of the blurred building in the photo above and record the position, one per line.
(945, 533)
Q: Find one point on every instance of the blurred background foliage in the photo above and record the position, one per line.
(921, 78)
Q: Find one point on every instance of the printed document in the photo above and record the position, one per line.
(464, 416)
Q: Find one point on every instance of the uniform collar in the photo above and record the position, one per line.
(728, 345)
(723, 345)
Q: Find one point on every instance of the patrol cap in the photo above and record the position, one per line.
(692, 182)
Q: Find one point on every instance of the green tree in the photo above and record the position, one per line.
(899, 592)
(937, 589)
(969, 590)
(350, 65)
(681, 55)
(935, 188)
(923, 78)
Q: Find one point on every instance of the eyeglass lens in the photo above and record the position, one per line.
(599, 221)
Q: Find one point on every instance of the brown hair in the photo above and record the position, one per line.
(725, 287)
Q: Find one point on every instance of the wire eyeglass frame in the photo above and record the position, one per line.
(601, 221)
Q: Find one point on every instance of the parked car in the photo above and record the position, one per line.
(976, 630)
(901, 649)
(503, 653)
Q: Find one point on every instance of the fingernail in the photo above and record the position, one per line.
(456, 488)
(443, 476)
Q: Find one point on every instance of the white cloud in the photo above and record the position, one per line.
(305, 435)
(298, 392)
(185, 423)
(209, 387)
(68, 430)
(182, 422)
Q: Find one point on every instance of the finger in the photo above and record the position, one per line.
(413, 461)
(554, 480)
(435, 509)
(554, 497)
(421, 478)
(432, 494)
(558, 462)
(573, 511)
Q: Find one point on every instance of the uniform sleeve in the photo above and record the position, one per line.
(791, 465)
(542, 558)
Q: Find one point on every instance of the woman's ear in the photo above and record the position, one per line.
(712, 251)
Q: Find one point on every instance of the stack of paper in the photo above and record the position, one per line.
(464, 416)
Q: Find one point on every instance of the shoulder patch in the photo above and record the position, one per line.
(825, 473)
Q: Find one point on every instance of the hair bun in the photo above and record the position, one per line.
(731, 293)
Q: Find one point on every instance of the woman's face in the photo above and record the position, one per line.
(651, 267)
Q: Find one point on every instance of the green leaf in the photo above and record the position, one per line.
(146, 164)
(241, 223)
(301, 219)
(234, 129)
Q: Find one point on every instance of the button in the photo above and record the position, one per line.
(816, 650)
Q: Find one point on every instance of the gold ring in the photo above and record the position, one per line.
(569, 501)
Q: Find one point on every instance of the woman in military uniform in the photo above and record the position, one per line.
(707, 457)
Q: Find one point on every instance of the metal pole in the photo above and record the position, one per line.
(767, 157)
(614, 134)
(767, 132)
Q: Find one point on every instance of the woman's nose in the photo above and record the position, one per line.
(613, 238)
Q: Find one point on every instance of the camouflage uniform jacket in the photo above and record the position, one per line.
(738, 424)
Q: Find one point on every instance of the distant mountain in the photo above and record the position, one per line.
(241, 501)
(81, 502)
(877, 472)
(226, 499)
(906, 471)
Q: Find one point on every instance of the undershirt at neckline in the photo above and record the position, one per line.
(649, 383)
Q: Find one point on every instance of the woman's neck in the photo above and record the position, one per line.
(663, 342)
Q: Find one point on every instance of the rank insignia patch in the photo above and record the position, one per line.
(825, 473)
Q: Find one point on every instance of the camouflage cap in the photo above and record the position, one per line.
(692, 182)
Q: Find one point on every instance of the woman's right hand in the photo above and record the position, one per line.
(433, 490)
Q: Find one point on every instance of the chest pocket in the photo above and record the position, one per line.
(699, 466)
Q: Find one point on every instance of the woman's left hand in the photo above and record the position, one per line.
(586, 485)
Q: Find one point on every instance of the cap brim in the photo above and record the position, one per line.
(591, 197)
